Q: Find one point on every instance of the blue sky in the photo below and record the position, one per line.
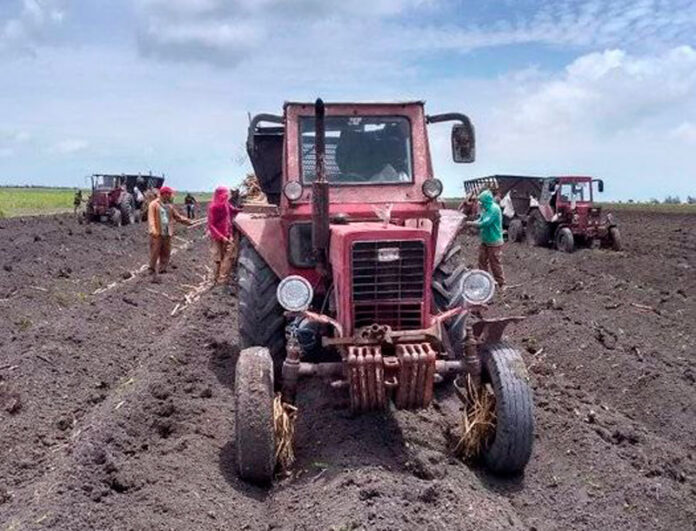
(592, 87)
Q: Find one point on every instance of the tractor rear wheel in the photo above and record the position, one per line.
(261, 318)
(538, 230)
(254, 427)
(511, 447)
(515, 230)
(445, 294)
(564, 240)
(615, 239)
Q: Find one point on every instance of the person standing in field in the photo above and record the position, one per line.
(490, 225)
(221, 231)
(161, 216)
(77, 201)
(191, 205)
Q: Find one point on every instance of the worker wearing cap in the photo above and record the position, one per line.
(161, 216)
(490, 225)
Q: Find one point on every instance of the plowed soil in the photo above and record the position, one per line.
(116, 415)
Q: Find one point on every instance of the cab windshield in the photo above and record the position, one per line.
(105, 181)
(579, 192)
(359, 149)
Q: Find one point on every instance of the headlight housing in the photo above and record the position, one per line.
(295, 293)
(477, 287)
(432, 188)
(293, 190)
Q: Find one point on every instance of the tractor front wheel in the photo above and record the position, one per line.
(538, 230)
(615, 239)
(515, 230)
(261, 318)
(565, 241)
(115, 217)
(126, 208)
(511, 447)
(254, 428)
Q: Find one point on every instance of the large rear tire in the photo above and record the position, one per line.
(445, 294)
(538, 230)
(261, 318)
(511, 447)
(254, 429)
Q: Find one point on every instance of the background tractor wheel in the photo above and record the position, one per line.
(515, 231)
(511, 448)
(615, 239)
(538, 230)
(445, 279)
(254, 429)
(565, 241)
(261, 318)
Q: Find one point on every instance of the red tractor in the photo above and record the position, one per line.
(556, 211)
(354, 275)
(120, 199)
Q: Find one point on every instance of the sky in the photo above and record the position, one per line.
(553, 87)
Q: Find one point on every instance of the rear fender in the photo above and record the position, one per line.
(267, 236)
(451, 222)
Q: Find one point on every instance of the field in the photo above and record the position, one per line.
(20, 201)
(117, 414)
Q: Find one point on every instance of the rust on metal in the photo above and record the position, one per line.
(416, 375)
(366, 378)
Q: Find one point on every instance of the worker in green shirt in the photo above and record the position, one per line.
(490, 225)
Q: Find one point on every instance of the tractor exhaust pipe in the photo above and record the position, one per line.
(320, 194)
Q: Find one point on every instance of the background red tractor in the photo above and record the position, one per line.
(354, 274)
(558, 211)
(120, 199)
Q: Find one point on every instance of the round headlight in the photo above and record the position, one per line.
(293, 190)
(432, 188)
(295, 293)
(478, 287)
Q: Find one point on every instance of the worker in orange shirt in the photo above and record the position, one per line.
(161, 216)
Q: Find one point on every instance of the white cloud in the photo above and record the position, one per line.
(34, 20)
(685, 132)
(68, 147)
(226, 32)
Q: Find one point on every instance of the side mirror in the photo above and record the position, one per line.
(463, 143)
(600, 185)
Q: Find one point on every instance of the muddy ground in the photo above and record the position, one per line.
(116, 415)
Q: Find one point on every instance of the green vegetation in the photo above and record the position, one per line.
(33, 201)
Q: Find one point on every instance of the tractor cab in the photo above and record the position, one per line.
(569, 201)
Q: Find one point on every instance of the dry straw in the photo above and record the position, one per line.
(478, 421)
(284, 417)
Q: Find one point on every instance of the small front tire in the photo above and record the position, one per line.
(511, 447)
(515, 230)
(564, 240)
(615, 239)
(254, 429)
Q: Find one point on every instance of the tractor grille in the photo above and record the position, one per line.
(388, 292)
